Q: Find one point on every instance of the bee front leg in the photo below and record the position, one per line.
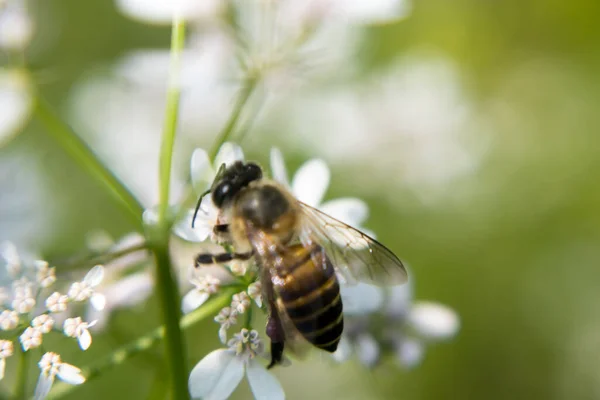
(205, 259)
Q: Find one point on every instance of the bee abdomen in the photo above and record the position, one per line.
(311, 297)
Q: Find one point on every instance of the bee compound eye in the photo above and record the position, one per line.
(220, 193)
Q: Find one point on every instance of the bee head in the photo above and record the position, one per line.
(233, 179)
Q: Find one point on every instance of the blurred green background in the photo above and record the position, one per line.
(513, 248)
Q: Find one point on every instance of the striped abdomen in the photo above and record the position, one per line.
(308, 291)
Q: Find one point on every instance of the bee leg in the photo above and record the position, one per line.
(204, 259)
(275, 333)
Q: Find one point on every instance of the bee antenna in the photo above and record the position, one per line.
(198, 206)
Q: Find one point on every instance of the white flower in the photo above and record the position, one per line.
(16, 27)
(433, 321)
(6, 350)
(217, 375)
(9, 319)
(226, 317)
(8, 251)
(15, 102)
(76, 328)
(255, 292)
(238, 267)
(45, 274)
(240, 302)
(52, 367)
(30, 338)
(202, 175)
(57, 302)
(23, 301)
(43, 323)
(205, 286)
(81, 291)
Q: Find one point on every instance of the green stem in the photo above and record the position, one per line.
(160, 233)
(144, 343)
(246, 91)
(21, 382)
(85, 157)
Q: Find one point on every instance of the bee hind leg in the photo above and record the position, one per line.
(275, 333)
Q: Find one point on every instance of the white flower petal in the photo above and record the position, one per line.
(16, 27)
(15, 103)
(201, 171)
(311, 181)
(84, 339)
(70, 374)
(399, 300)
(372, 11)
(361, 298)
(278, 170)
(263, 384)
(161, 12)
(228, 154)
(343, 351)
(95, 276)
(98, 301)
(192, 300)
(349, 210)
(43, 386)
(410, 352)
(203, 224)
(434, 320)
(2, 367)
(367, 350)
(216, 376)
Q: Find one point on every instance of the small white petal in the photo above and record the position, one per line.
(16, 27)
(367, 350)
(94, 276)
(98, 301)
(349, 210)
(162, 12)
(372, 11)
(434, 320)
(43, 386)
(263, 384)
(344, 350)
(15, 103)
(70, 374)
(410, 352)
(2, 367)
(192, 300)
(311, 181)
(361, 298)
(278, 170)
(203, 224)
(228, 154)
(399, 300)
(150, 216)
(216, 376)
(201, 171)
(84, 339)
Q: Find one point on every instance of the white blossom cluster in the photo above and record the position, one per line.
(31, 308)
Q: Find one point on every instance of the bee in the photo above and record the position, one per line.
(300, 252)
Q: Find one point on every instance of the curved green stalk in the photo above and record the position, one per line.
(84, 156)
(246, 91)
(21, 381)
(159, 234)
(144, 343)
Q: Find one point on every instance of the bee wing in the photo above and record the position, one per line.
(355, 255)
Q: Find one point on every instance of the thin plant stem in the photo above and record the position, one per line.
(144, 343)
(21, 381)
(159, 233)
(84, 156)
(247, 89)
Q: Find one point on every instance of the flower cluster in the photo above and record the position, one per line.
(407, 328)
(30, 310)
